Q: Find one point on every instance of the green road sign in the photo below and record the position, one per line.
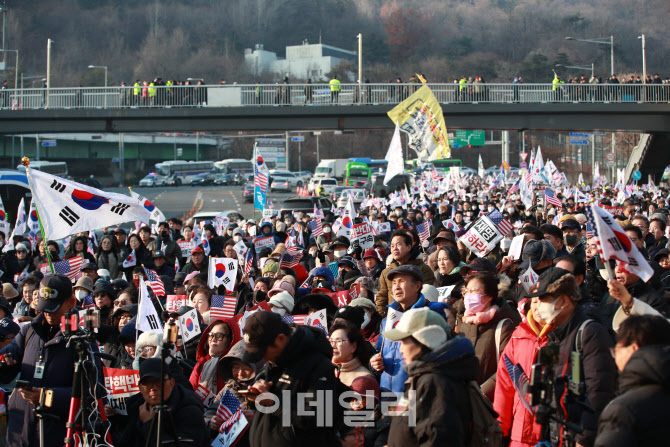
(464, 138)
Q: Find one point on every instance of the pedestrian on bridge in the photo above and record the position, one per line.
(334, 90)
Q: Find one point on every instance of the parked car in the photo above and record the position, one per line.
(304, 204)
(248, 192)
(208, 216)
(306, 175)
(284, 180)
(153, 179)
(468, 171)
(328, 184)
(225, 179)
(357, 194)
(203, 180)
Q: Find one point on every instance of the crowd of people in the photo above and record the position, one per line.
(424, 339)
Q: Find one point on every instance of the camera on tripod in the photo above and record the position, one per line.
(75, 325)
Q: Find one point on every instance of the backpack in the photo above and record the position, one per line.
(485, 429)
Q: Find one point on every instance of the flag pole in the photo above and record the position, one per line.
(25, 161)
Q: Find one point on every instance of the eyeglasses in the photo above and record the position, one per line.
(217, 336)
(147, 350)
(121, 303)
(337, 342)
(21, 251)
(471, 290)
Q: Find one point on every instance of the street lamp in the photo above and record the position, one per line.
(100, 66)
(578, 67)
(602, 41)
(49, 42)
(644, 58)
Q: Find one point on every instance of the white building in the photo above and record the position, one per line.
(313, 61)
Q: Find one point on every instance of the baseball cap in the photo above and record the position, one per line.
(179, 279)
(119, 231)
(427, 326)
(89, 266)
(445, 236)
(197, 250)
(536, 251)
(54, 290)
(159, 254)
(151, 367)
(260, 330)
(406, 269)
(479, 265)
(549, 276)
(8, 327)
(572, 224)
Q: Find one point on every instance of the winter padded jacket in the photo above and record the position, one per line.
(202, 355)
(443, 410)
(304, 366)
(516, 420)
(638, 417)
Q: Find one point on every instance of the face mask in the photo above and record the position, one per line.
(366, 320)
(326, 230)
(165, 234)
(571, 240)
(80, 294)
(510, 210)
(339, 253)
(237, 238)
(473, 302)
(137, 282)
(252, 231)
(547, 311)
(419, 219)
(491, 209)
(279, 310)
(474, 207)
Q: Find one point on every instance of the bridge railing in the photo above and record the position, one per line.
(306, 95)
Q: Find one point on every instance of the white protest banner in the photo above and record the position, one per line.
(529, 278)
(269, 212)
(445, 293)
(361, 235)
(186, 247)
(174, 302)
(516, 248)
(120, 385)
(482, 237)
(261, 242)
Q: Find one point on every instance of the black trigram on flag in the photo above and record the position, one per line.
(68, 216)
(152, 322)
(56, 185)
(120, 208)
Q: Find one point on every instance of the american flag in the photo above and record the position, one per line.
(503, 224)
(294, 319)
(248, 262)
(316, 227)
(550, 198)
(529, 177)
(590, 230)
(154, 282)
(424, 231)
(287, 260)
(515, 187)
(318, 212)
(291, 245)
(69, 267)
(260, 177)
(223, 306)
(229, 409)
(519, 380)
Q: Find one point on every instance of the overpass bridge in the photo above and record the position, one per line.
(578, 107)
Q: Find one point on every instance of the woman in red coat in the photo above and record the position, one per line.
(514, 411)
(216, 341)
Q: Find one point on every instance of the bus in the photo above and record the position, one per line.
(57, 168)
(182, 172)
(446, 163)
(374, 165)
(235, 166)
(357, 172)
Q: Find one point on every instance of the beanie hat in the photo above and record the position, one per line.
(270, 267)
(283, 299)
(281, 286)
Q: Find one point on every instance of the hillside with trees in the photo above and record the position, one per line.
(444, 39)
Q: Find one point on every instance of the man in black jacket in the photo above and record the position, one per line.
(299, 372)
(184, 418)
(574, 331)
(638, 415)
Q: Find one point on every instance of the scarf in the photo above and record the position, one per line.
(208, 377)
(480, 317)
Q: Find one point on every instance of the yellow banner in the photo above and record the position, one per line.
(420, 116)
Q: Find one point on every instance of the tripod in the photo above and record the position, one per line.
(84, 379)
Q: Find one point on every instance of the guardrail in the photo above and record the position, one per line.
(306, 95)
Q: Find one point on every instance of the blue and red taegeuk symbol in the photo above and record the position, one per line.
(87, 200)
(259, 160)
(3, 216)
(220, 270)
(189, 324)
(346, 221)
(148, 205)
(33, 215)
(624, 240)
